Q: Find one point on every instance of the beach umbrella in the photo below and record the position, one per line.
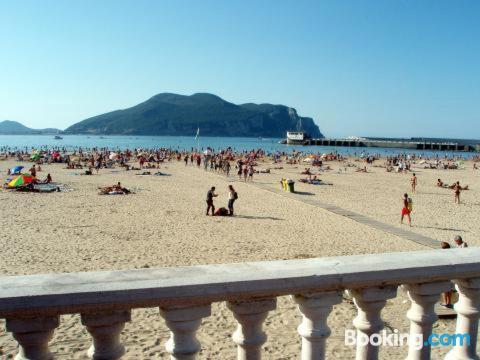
(20, 181)
(16, 170)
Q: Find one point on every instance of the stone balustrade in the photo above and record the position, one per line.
(32, 305)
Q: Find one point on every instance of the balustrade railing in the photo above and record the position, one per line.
(32, 304)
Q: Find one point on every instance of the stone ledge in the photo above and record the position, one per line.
(89, 291)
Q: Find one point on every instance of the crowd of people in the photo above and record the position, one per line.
(34, 170)
(95, 159)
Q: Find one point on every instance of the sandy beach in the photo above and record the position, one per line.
(163, 224)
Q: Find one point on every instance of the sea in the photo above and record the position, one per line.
(270, 145)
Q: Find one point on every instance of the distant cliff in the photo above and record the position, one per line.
(8, 127)
(172, 114)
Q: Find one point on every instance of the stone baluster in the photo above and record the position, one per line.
(422, 316)
(369, 302)
(249, 335)
(183, 322)
(33, 335)
(314, 330)
(105, 328)
(467, 309)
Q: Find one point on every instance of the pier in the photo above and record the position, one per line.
(412, 144)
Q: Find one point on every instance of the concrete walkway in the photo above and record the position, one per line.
(403, 233)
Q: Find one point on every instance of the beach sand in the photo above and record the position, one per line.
(164, 224)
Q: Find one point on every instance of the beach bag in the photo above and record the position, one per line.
(221, 212)
(235, 196)
(410, 204)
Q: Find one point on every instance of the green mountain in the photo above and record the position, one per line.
(8, 127)
(172, 114)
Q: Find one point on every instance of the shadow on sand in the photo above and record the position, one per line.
(256, 217)
(303, 193)
(439, 228)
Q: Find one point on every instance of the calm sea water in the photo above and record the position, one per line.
(71, 142)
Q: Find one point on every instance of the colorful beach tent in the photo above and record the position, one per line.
(16, 170)
(20, 181)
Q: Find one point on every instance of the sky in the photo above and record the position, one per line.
(365, 68)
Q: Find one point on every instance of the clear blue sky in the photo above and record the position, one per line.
(384, 68)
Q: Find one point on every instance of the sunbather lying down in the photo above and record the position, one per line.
(314, 181)
(114, 190)
(128, 168)
(441, 184)
(38, 188)
(158, 173)
(364, 169)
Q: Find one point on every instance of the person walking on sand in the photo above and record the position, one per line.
(227, 168)
(210, 195)
(250, 172)
(240, 170)
(457, 189)
(413, 182)
(232, 196)
(407, 209)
